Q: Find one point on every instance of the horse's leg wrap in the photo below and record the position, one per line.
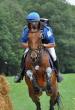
(49, 71)
(33, 79)
(48, 74)
(29, 73)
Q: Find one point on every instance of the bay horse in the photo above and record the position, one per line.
(37, 64)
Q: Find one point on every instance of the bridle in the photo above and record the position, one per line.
(35, 54)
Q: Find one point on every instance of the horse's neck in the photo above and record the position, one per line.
(35, 39)
(34, 34)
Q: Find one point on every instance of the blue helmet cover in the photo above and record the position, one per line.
(33, 16)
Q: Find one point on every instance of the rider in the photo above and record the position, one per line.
(34, 20)
(45, 24)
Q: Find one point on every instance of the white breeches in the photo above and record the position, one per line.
(52, 53)
(25, 52)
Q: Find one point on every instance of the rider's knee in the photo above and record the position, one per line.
(53, 53)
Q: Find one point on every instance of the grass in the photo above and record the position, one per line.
(22, 101)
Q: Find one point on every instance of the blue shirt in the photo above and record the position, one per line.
(48, 35)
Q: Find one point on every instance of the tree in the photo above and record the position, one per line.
(12, 19)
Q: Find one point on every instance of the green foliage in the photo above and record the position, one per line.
(62, 20)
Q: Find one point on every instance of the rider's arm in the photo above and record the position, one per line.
(24, 38)
(49, 36)
(24, 45)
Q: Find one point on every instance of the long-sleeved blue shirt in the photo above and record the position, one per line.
(48, 35)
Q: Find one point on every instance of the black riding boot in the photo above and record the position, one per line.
(59, 77)
(19, 77)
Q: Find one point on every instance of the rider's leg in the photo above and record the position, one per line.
(21, 75)
(56, 63)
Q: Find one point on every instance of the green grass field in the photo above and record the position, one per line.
(22, 101)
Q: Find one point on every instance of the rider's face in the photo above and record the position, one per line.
(33, 25)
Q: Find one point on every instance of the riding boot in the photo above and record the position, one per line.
(58, 74)
(18, 78)
(35, 85)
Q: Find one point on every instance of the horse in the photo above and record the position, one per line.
(37, 64)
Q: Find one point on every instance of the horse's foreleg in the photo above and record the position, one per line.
(35, 99)
(51, 104)
(59, 102)
(48, 77)
(37, 105)
(55, 99)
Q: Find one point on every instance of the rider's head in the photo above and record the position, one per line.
(44, 21)
(33, 20)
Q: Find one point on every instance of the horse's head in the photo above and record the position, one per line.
(34, 44)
